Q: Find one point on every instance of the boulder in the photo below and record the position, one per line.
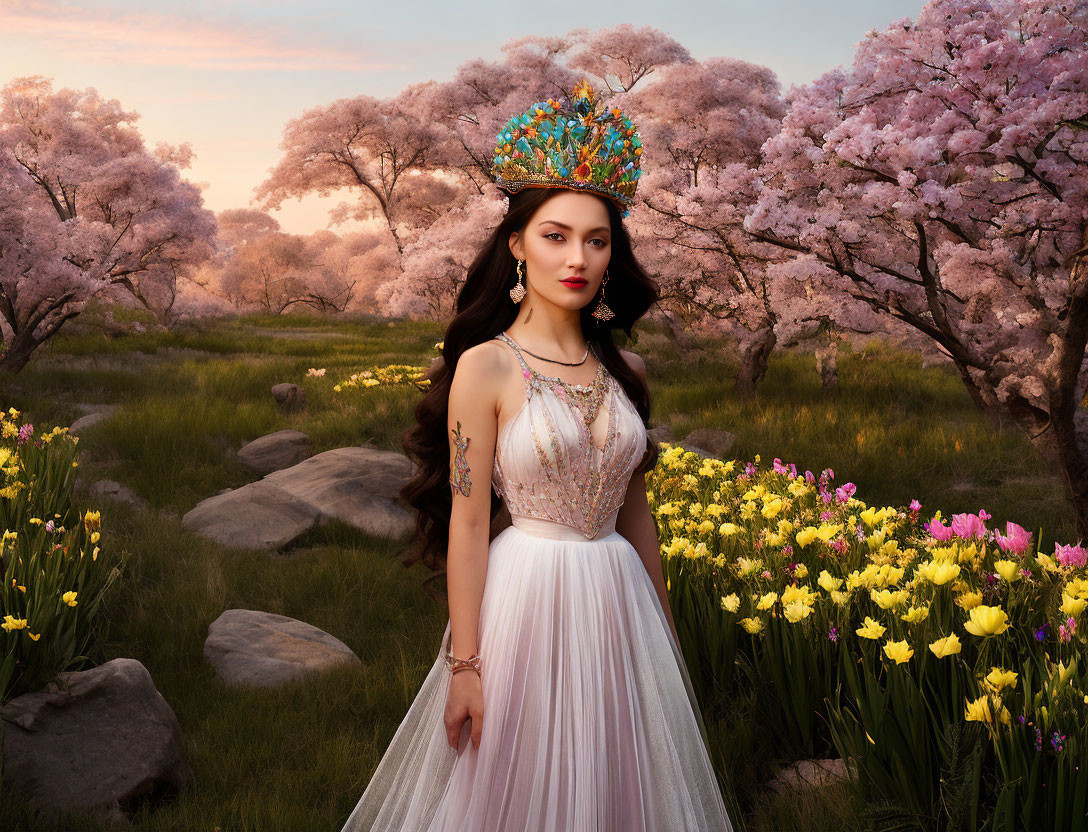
(289, 397)
(93, 415)
(809, 773)
(709, 442)
(359, 486)
(660, 433)
(97, 741)
(263, 649)
(275, 451)
(118, 493)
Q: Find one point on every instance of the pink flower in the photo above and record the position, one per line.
(969, 525)
(1071, 555)
(938, 529)
(915, 505)
(845, 492)
(1015, 540)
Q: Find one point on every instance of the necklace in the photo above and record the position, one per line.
(553, 361)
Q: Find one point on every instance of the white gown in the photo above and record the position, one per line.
(590, 722)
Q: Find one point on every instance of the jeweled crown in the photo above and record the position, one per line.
(577, 144)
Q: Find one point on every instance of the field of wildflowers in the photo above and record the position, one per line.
(945, 660)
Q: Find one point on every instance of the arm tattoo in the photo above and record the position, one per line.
(459, 480)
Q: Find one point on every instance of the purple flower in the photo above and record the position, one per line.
(839, 545)
(788, 550)
(1058, 741)
(25, 432)
(833, 634)
(779, 468)
(1040, 634)
(810, 477)
(845, 492)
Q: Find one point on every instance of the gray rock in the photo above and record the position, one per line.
(289, 397)
(94, 415)
(118, 493)
(275, 451)
(709, 442)
(97, 741)
(250, 647)
(358, 485)
(810, 773)
(660, 433)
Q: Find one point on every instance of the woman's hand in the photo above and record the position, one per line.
(465, 700)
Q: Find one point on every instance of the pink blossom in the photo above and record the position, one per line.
(969, 525)
(1015, 540)
(938, 529)
(1072, 555)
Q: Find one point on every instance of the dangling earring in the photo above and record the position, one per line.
(518, 292)
(602, 312)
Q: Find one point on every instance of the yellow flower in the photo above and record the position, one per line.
(1048, 563)
(899, 651)
(987, 621)
(828, 582)
(13, 623)
(1007, 569)
(826, 532)
(92, 521)
(840, 598)
(772, 508)
(1073, 606)
(69, 598)
(33, 636)
(871, 629)
(998, 679)
(806, 536)
(915, 614)
(938, 573)
(947, 646)
(796, 610)
(746, 566)
(969, 600)
(728, 529)
(886, 599)
(801, 571)
(752, 625)
(730, 602)
(767, 601)
(981, 711)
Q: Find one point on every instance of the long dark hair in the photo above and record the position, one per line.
(484, 309)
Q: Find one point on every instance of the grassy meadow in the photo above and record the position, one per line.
(299, 757)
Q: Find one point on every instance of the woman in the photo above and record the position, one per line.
(559, 701)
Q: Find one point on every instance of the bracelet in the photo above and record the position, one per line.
(454, 665)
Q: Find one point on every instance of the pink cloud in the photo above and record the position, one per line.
(147, 38)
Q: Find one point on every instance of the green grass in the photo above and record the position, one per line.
(300, 756)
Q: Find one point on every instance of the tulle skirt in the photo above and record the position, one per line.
(590, 723)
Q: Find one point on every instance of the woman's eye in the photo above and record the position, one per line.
(595, 239)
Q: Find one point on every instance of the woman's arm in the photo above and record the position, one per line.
(635, 521)
(472, 427)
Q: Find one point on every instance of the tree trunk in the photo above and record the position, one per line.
(18, 355)
(754, 360)
(1057, 444)
(827, 364)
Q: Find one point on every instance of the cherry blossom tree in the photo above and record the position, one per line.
(379, 149)
(942, 180)
(85, 206)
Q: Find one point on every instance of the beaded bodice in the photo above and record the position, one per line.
(568, 453)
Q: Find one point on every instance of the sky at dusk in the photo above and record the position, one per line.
(226, 76)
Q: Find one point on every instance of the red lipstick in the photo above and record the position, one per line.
(574, 282)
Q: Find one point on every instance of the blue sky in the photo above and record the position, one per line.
(226, 76)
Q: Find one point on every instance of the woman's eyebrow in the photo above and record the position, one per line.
(568, 228)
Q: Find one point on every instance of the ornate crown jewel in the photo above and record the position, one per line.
(581, 146)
